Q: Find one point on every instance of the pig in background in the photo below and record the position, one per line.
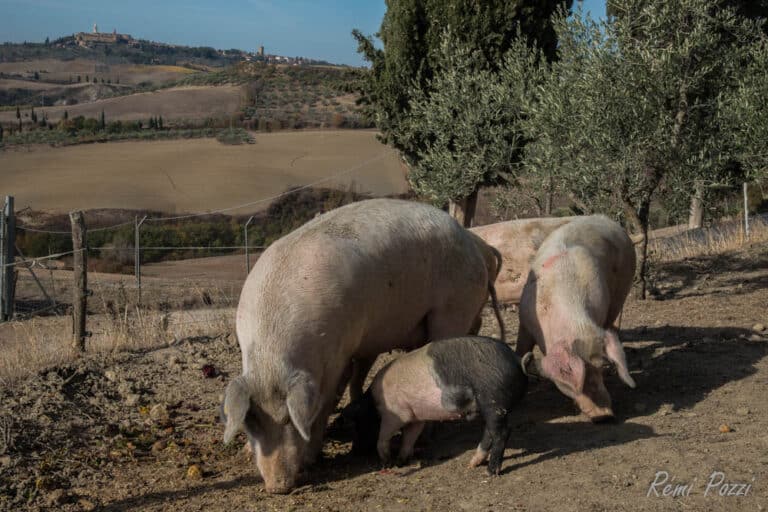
(451, 379)
(357, 281)
(517, 241)
(580, 278)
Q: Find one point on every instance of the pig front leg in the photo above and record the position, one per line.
(410, 435)
(390, 425)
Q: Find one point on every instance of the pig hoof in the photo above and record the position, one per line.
(494, 471)
(475, 461)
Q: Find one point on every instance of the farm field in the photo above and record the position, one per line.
(696, 359)
(196, 175)
(193, 102)
(62, 70)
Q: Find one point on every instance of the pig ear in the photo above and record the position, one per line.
(302, 403)
(234, 408)
(615, 354)
(561, 365)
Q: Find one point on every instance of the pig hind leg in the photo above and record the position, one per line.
(410, 435)
(449, 321)
(497, 430)
(481, 454)
(390, 425)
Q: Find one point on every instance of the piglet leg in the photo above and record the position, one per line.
(390, 425)
(410, 435)
(482, 449)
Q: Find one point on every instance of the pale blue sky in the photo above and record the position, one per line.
(318, 29)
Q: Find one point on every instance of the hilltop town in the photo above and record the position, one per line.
(115, 44)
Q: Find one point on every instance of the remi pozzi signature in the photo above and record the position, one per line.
(664, 486)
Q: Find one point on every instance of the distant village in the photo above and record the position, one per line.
(95, 39)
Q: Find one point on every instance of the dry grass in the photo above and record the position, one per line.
(723, 238)
(195, 175)
(197, 102)
(28, 346)
(64, 69)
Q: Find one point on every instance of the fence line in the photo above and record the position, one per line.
(33, 261)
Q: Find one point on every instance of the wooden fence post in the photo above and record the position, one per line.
(80, 293)
(137, 253)
(247, 249)
(7, 247)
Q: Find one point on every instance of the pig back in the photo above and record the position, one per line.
(360, 278)
(517, 241)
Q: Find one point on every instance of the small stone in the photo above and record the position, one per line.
(132, 400)
(194, 472)
(743, 411)
(110, 375)
(755, 337)
(86, 505)
(724, 429)
(159, 446)
(5, 460)
(173, 359)
(758, 327)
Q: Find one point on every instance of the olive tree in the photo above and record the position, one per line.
(414, 64)
(627, 112)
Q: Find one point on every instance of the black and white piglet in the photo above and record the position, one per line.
(444, 380)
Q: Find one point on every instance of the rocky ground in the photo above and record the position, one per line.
(139, 431)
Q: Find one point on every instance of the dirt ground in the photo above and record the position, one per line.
(178, 175)
(130, 431)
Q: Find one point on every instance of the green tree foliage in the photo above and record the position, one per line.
(413, 62)
(744, 115)
(471, 122)
(628, 110)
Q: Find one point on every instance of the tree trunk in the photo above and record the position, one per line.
(548, 198)
(463, 210)
(696, 216)
(639, 220)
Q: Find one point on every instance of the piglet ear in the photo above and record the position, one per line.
(562, 366)
(615, 354)
(302, 402)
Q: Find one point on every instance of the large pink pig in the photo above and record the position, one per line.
(517, 241)
(579, 280)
